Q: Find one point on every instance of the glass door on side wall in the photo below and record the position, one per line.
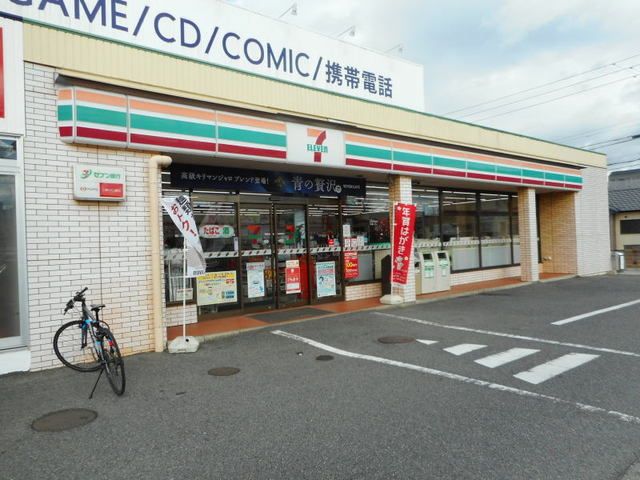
(292, 274)
(257, 250)
(10, 326)
(325, 253)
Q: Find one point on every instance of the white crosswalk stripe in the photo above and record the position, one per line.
(545, 371)
(511, 355)
(426, 342)
(463, 348)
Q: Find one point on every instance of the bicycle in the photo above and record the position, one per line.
(71, 345)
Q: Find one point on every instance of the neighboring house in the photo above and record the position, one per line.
(624, 206)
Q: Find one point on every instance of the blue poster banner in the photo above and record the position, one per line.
(192, 177)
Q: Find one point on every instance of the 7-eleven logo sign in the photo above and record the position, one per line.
(318, 146)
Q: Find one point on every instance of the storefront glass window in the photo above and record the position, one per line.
(427, 217)
(9, 275)
(515, 232)
(366, 231)
(460, 229)
(495, 229)
(8, 149)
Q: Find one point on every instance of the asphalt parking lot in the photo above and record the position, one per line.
(490, 388)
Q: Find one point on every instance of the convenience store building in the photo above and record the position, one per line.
(292, 148)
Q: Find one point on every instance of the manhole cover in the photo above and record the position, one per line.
(64, 420)
(395, 339)
(324, 358)
(223, 371)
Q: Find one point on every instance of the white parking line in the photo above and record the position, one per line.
(460, 378)
(511, 355)
(463, 348)
(555, 367)
(508, 335)
(595, 312)
(426, 342)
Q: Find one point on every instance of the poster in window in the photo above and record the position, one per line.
(292, 277)
(217, 288)
(326, 279)
(255, 279)
(351, 266)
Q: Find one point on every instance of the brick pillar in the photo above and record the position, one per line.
(528, 235)
(400, 191)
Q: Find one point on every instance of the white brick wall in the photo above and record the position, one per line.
(592, 221)
(400, 190)
(367, 290)
(71, 244)
(485, 275)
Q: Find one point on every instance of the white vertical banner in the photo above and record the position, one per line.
(180, 211)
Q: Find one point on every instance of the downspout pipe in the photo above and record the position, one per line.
(156, 164)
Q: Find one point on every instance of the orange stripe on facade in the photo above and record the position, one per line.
(176, 110)
(314, 132)
(251, 122)
(104, 99)
(66, 94)
(367, 140)
(413, 147)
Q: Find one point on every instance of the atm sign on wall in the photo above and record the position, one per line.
(92, 182)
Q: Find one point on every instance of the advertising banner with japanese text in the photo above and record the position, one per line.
(255, 279)
(216, 288)
(179, 209)
(292, 277)
(351, 266)
(404, 216)
(326, 279)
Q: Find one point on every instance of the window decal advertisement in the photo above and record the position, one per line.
(255, 280)
(326, 279)
(351, 267)
(216, 288)
(292, 277)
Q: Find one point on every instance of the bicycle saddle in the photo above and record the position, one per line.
(97, 308)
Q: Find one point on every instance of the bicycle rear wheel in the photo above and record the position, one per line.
(113, 363)
(67, 344)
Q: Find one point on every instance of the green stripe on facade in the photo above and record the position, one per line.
(65, 113)
(481, 167)
(412, 158)
(369, 152)
(573, 179)
(514, 172)
(556, 177)
(449, 162)
(250, 136)
(180, 127)
(533, 174)
(101, 116)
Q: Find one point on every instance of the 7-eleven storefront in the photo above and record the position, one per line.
(292, 188)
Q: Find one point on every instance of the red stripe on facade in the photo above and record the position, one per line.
(508, 179)
(554, 184)
(172, 143)
(481, 176)
(66, 131)
(573, 187)
(1, 74)
(449, 173)
(407, 168)
(354, 162)
(96, 133)
(255, 152)
(532, 182)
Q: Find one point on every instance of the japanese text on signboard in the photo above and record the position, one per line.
(403, 230)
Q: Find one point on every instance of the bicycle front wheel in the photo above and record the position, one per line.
(113, 363)
(67, 343)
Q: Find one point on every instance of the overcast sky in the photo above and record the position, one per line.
(478, 51)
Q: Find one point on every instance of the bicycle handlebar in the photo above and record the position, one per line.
(79, 297)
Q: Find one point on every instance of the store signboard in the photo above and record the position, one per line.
(258, 181)
(217, 288)
(326, 279)
(255, 279)
(97, 183)
(351, 265)
(216, 231)
(12, 114)
(317, 146)
(292, 277)
(217, 33)
(404, 218)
